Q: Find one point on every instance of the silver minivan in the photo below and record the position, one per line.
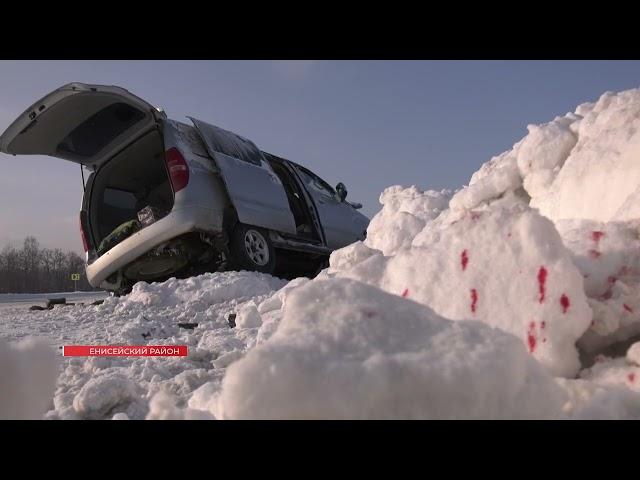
(165, 198)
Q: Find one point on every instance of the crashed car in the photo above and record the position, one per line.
(165, 198)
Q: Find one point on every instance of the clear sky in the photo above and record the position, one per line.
(369, 124)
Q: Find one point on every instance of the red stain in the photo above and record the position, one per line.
(612, 279)
(542, 280)
(509, 234)
(631, 377)
(543, 324)
(594, 253)
(596, 236)
(564, 301)
(627, 308)
(475, 215)
(464, 260)
(531, 337)
(474, 299)
(405, 293)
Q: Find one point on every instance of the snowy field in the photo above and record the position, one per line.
(516, 296)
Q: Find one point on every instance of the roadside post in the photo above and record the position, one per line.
(75, 277)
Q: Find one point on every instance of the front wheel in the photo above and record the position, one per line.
(251, 249)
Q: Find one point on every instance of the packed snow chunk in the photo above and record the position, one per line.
(501, 176)
(610, 389)
(277, 300)
(248, 316)
(547, 146)
(103, 394)
(506, 267)
(616, 371)
(163, 406)
(602, 170)
(346, 350)
(28, 373)
(608, 256)
(633, 354)
(604, 252)
(592, 400)
(405, 211)
(350, 256)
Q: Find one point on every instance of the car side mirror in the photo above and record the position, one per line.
(341, 190)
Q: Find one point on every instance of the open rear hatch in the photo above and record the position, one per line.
(85, 124)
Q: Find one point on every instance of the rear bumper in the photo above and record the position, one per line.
(179, 221)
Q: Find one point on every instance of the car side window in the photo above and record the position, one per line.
(314, 182)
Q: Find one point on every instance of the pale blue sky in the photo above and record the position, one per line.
(369, 124)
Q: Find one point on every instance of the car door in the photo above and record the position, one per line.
(254, 189)
(342, 224)
(80, 123)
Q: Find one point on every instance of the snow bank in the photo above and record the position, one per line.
(28, 372)
(505, 267)
(347, 350)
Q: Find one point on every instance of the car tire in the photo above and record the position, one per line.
(251, 249)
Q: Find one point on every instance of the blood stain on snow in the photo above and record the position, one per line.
(612, 279)
(631, 377)
(594, 253)
(543, 324)
(596, 236)
(464, 260)
(405, 293)
(474, 300)
(542, 280)
(475, 215)
(627, 308)
(564, 301)
(531, 337)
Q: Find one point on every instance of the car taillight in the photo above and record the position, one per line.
(84, 237)
(178, 169)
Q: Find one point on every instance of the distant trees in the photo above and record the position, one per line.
(33, 269)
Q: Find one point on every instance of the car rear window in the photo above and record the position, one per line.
(119, 199)
(92, 135)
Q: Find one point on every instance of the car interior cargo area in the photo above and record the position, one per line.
(129, 192)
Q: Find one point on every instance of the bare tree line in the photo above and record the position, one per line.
(33, 269)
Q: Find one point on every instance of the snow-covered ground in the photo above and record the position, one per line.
(517, 296)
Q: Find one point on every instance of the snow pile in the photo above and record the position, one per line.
(405, 212)
(347, 350)
(28, 372)
(159, 387)
(505, 267)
